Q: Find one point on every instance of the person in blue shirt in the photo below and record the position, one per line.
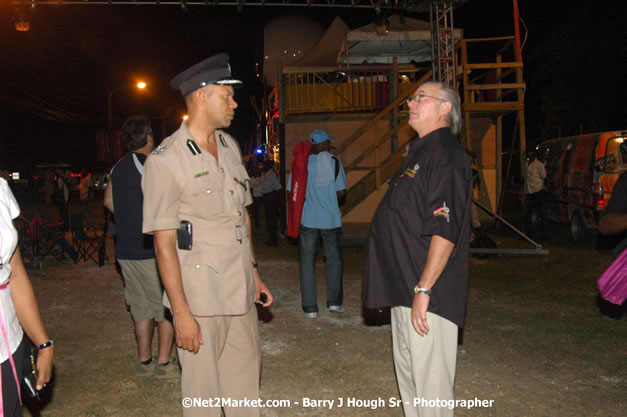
(321, 218)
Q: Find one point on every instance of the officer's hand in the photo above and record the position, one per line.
(187, 330)
(419, 313)
(262, 288)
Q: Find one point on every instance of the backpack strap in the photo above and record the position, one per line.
(337, 166)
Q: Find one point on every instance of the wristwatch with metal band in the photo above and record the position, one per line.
(418, 290)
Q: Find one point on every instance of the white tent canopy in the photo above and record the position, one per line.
(327, 51)
(407, 39)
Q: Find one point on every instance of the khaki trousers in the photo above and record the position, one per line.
(227, 366)
(425, 365)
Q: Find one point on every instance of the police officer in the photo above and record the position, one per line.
(195, 197)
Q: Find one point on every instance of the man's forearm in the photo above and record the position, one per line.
(170, 270)
(440, 250)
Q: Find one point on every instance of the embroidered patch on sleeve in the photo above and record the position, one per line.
(443, 212)
(411, 172)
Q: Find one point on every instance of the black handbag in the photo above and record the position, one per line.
(29, 369)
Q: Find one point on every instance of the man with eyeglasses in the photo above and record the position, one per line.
(417, 253)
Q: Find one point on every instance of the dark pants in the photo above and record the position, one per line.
(67, 248)
(11, 400)
(256, 208)
(271, 202)
(307, 245)
(86, 205)
(537, 202)
(64, 217)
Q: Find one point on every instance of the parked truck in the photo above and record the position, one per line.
(581, 173)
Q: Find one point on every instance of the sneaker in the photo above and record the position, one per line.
(145, 370)
(168, 371)
(336, 309)
(311, 315)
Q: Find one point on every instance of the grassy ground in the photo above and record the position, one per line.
(534, 341)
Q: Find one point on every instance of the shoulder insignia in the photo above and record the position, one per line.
(163, 146)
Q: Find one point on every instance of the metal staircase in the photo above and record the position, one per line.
(384, 170)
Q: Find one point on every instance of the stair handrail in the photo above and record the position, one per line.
(369, 124)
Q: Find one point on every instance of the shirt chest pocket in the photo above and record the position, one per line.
(207, 193)
(404, 193)
(240, 186)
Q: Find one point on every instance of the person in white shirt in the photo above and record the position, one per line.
(19, 314)
(535, 195)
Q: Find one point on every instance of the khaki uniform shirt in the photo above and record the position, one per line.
(182, 181)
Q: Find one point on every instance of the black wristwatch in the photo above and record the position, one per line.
(47, 344)
(255, 265)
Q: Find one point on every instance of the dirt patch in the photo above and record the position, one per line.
(534, 343)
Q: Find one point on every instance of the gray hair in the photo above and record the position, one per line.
(450, 95)
(135, 131)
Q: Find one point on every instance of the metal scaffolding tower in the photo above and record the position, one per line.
(442, 41)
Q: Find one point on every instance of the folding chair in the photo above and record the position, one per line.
(85, 246)
(102, 249)
(28, 240)
(53, 242)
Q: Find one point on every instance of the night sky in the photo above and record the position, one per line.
(54, 78)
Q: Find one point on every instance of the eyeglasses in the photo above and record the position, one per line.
(421, 97)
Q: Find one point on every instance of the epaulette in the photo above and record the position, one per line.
(163, 145)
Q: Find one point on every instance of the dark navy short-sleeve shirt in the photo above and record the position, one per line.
(128, 200)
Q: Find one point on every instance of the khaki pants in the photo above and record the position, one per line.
(425, 365)
(227, 366)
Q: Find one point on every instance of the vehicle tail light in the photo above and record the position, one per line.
(599, 197)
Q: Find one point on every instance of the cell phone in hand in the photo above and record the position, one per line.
(263, 297)
(30, 382)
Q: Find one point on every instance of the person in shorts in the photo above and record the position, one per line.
(135, 253)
